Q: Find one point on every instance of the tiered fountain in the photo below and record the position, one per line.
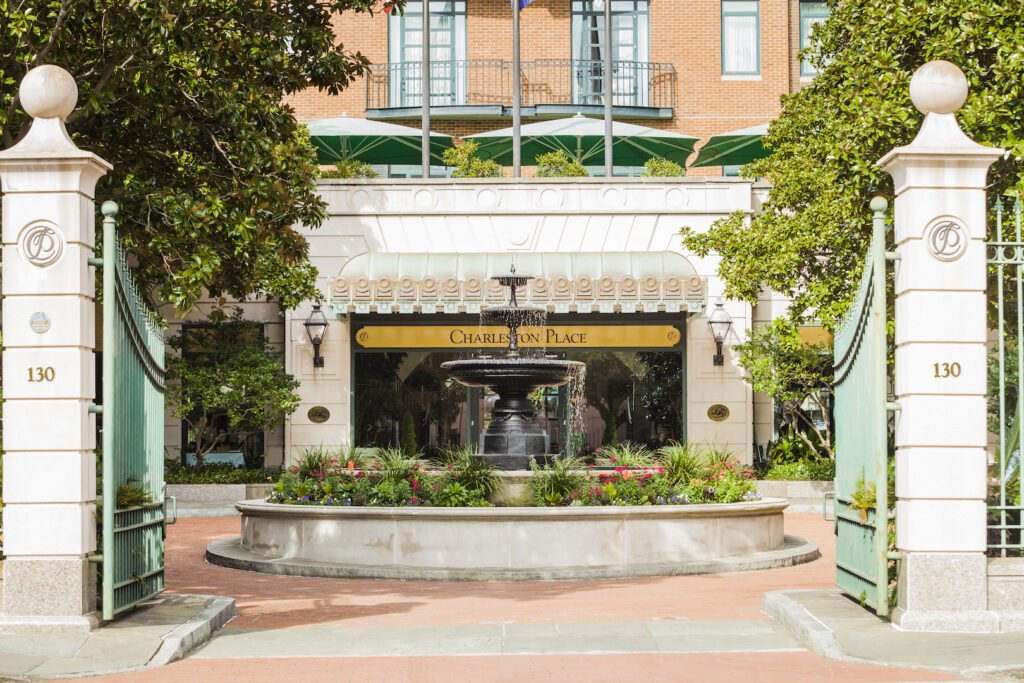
(510, 543)
(513, 435)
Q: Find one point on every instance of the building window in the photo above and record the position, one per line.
(630, 38)
(447, 54)
(741, 38)
(811, 13)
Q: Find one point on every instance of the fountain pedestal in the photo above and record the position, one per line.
(513, 432)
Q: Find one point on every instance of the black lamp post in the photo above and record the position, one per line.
(316, 326)
(719, 322)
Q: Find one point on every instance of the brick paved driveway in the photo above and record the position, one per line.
(265, 642)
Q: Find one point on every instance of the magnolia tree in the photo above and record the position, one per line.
(810, 235)
(211, 170)
(798, 375)
(227, 382)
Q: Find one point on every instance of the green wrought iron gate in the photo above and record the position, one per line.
(1006, 404)
(862, 433)
(133, 435)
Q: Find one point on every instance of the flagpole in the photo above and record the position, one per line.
(425, 66)
(517, 96)
(608, 88)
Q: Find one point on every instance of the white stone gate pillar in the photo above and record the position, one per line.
(48, 366)
(941, 433)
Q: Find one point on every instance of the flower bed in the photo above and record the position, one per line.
(631, 514)
(395, 480)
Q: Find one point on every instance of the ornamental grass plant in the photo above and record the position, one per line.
(561, 481)
(680, 461)
(625, 454)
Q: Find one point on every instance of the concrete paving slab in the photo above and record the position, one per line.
(16, 665)
(57, 645)
(157, 632)
(832, 625)
(490, 639)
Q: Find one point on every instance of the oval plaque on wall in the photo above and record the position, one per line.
(318, 414)
(718, 412)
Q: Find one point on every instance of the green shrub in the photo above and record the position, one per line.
(215, 473)
(465, 164)
(558, 165)
(349, 169)
(804, 470)
(132, 495)
(656, 167)
(560, 482)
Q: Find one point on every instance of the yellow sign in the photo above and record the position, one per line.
(552, 336)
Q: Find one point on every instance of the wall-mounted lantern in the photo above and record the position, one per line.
(719, 322)
(316, 326)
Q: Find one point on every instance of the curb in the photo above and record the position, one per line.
(195, 631)
(228, 552)
(821, 640)
(804, 626)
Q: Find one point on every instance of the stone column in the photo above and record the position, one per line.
(941, 433)
(48, 366)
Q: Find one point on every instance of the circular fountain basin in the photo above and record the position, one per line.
(510, 543)
(512, 374)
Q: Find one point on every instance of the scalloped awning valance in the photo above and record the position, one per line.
(582, 282)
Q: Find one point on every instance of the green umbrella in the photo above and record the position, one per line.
(582, 139)
(349, 138)
(733, 149)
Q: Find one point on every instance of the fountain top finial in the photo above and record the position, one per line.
(512, 280)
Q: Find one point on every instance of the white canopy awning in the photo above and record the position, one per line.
(584, 282)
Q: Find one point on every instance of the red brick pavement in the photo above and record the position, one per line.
(271, 602)
(266, 601)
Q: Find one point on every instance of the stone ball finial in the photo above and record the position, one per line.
(938, 87)
(879, 204)
(48, 92)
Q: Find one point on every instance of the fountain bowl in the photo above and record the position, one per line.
(513, 437)
(512, 375)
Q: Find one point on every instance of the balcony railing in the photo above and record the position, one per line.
(547, 84)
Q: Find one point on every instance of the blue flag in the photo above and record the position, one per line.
(522, 3)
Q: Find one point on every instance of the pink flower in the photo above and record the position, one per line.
(612, 459)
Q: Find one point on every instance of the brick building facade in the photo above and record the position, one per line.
(675, 76)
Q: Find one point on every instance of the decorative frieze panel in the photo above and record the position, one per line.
(584, 282)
